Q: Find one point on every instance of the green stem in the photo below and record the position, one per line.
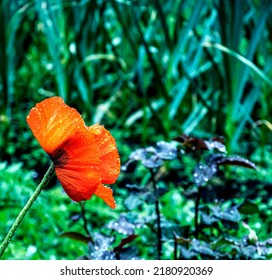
(198, 197)
(85, 225)
(158, 214)
(19, 219)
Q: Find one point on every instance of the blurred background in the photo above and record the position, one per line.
(148, 71)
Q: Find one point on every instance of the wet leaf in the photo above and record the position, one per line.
(128, 253)
(152, 162)
(132, 201)
(203, 173)
(200, 144)
(134, 187)
(166, 151)
(153, 157)
(248, 251)
(187, 254)
(220, 159)
(268, 241)
(76, 217)
(76, 236)
(122, 226)
(100, 250)
(231, 215)
(140, 194)
(208, 219)
(203, 248)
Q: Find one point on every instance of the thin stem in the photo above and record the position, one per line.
(20, 217)
(158, 214)
(198, 197)
(85, 222)
(175, 246)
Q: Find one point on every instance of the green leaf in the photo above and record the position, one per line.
(248, 207)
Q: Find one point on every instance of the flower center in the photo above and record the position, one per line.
(59, 157)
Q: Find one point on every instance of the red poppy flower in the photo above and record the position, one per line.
(85, 158)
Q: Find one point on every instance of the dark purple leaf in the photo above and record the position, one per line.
(128, 253)
(124, 242)
(238, 161)
(220, 159)
(181, 240)
(200, 144)
(76, 236)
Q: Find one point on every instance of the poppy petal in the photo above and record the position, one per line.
(108, 153)
(79, 184)
(106, 194)
(53, 122)
(78, 166)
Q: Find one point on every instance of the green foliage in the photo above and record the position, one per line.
(51, 216)
(149, 71)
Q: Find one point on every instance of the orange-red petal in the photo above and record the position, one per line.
(108, 153)
(53, 122)
(79, 174)
(106, 194)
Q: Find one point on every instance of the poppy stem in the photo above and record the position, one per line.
(85, 225)
(20, 217)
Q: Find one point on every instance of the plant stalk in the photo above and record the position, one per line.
(85, 222)
(158, 214)
(20, 217)
(198, 197)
